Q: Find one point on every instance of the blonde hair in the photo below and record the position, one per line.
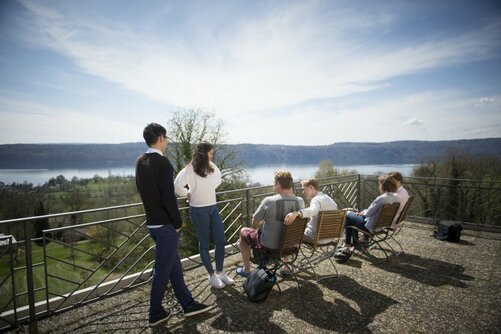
(311, 182)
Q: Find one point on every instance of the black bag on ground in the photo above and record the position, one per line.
(259, 284)
(448, 230)
(342, 254)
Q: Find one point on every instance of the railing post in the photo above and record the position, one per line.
(29, 277)
(247, 199)
(359, 195)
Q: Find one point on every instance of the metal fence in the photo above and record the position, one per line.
(90, 254)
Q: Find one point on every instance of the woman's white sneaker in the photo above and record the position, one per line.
(225, 279)
(215, 282)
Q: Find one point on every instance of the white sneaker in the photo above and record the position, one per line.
(225, 279)
(215, 282)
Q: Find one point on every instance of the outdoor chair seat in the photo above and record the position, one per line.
(382, 228)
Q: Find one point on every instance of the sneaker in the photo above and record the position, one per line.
(284, 271)
(215, 282)
(241, 272)
(225, 279)
(155, 320)
(196, 308)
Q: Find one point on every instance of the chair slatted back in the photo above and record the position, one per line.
(386, 215)
(293, 233)
(330, 224)
(405, 210)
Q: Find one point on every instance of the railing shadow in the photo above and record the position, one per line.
(427, 271)
(352, 313)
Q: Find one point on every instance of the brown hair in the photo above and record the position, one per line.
(387, 184)
(397, 176)
(311, 182)
(200, 161)
(284, 179)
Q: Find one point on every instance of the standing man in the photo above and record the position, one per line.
(154, 181)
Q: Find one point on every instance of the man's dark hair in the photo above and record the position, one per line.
(151, 133)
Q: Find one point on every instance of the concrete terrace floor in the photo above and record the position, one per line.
(434, 287)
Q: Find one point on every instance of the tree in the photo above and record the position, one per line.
(326, 169)
(188, 127)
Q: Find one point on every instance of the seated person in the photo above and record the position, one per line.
(318, 202)
(402, 194)
(366, 219)
(270, 215)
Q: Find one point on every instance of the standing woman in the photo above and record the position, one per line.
(202, 177)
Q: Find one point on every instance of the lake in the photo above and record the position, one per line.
(262, 174)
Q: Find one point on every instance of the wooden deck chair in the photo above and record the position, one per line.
(329, 227)
(394, 232)
(381, 228)
(290, 244)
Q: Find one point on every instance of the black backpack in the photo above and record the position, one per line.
(448, 230)
(258, 285)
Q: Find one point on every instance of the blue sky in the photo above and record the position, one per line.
(276, 72)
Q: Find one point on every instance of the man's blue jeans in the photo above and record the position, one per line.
(355, 220)
(208, 222)
(167, 267)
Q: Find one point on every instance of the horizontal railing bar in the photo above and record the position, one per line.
(64, 214)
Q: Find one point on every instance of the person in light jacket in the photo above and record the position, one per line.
(198, 182)
(318, 202)
(366, 219)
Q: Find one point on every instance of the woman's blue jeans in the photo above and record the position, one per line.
(353, 220)
(208, 223)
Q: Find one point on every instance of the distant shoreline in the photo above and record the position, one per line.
(262, 174)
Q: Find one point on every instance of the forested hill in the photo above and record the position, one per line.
(102, 155)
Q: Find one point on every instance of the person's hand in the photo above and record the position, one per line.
(290, 217)
(188, 198)
(358, 213)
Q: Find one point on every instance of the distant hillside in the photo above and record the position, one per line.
(103, 155)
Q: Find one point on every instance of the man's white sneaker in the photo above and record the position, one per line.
(225, 279)
(215, 282)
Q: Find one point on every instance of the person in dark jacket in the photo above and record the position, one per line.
(155, 184)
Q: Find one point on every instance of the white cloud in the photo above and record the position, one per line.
(292, 73)
(414, 122)
(485, 101)
(288, 56)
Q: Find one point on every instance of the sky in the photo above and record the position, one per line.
(275, 72)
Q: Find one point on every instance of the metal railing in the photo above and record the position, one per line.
(475, 202)
(90, 254)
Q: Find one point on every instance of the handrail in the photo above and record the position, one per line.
(112, 243)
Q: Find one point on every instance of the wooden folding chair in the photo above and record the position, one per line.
(382, 228)
(290, 244)
(394, 232)
(329, 227)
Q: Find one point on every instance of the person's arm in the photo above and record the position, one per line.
(217, 175)
(373, 208)
(258, 216)
(169, 198)
(180, 183)
(291, 216)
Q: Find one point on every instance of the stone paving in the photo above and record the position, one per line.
(433, 287)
